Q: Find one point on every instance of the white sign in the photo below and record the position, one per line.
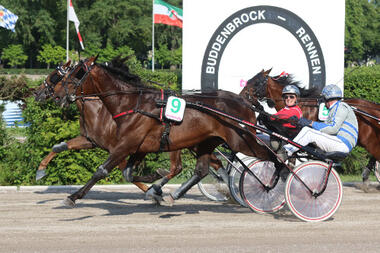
(323, 112)
(226, 42)
(175, 107)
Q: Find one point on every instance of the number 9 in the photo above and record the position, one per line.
(176, 105)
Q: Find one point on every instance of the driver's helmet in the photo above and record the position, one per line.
(291, 89)
(331, 91)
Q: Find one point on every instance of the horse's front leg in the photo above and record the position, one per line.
(77, 143)
(102, 171)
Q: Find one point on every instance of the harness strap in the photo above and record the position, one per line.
(162, 108)
(165, 141)
(123, 114)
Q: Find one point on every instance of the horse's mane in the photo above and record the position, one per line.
(120, 70)
(284, 80)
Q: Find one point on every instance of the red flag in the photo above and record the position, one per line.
(73, 17)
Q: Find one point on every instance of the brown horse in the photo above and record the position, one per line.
(97, 128)
(140, 128)
(264, 86)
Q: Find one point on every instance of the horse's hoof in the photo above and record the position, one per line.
(365, 186)
(40, 174)
(57, 148)
(156, 200)
(68, 203)
(154, 195)
(169, 199)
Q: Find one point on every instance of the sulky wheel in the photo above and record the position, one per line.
(234, 179)
(257, 197)
(301, 201)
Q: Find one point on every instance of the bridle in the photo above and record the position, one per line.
(77, 76)
(55, 79)
(259, 89)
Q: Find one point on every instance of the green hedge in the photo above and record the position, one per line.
(364, 83)
(12, 71)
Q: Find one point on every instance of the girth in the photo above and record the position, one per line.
(164, 141)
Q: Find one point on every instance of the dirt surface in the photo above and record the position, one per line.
(118, 219)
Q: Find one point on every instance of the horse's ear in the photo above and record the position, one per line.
(96, 57)
(268, 71)
(92, 60)
(67, 64)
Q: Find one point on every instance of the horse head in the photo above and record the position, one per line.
(65, 91)
(256, 87)
(46, 89)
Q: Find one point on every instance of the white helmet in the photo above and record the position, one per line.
(291, 89)
(331, 91)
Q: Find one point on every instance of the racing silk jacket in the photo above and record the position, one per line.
(287, 112)
(341, 122)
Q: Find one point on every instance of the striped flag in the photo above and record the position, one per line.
(7, 19)
(73, 17)
(165, 13)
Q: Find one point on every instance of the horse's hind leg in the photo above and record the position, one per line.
(102, 171)
(133, 161)
(155, 191)
(367, 170)
(77, 143)
(201, 170)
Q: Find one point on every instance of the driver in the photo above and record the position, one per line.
(281, 121)
(338, 133)
(290, 94)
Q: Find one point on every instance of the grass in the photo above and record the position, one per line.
(355, 178)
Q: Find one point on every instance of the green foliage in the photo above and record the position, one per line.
(14, 88)
(362, 36)
(51, 55)
(105, 25)
(364, 83)
(162, 55)
(4, 71)
(14, 55)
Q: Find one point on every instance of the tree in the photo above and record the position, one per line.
(50, 54)
(15, 56)
(362, 36)
(162, 55)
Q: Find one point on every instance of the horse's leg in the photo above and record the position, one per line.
(217, 164)
(201, 170)
(155, 191)
(77, 143)
(133, 161)
(102, 171)
(367, 170)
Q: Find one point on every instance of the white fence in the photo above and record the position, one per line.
(12, 114)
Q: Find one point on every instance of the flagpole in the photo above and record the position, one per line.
(67, 31)
(153, 36)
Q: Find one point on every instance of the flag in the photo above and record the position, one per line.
(7, 19)
(165, 13)
(73, 17)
